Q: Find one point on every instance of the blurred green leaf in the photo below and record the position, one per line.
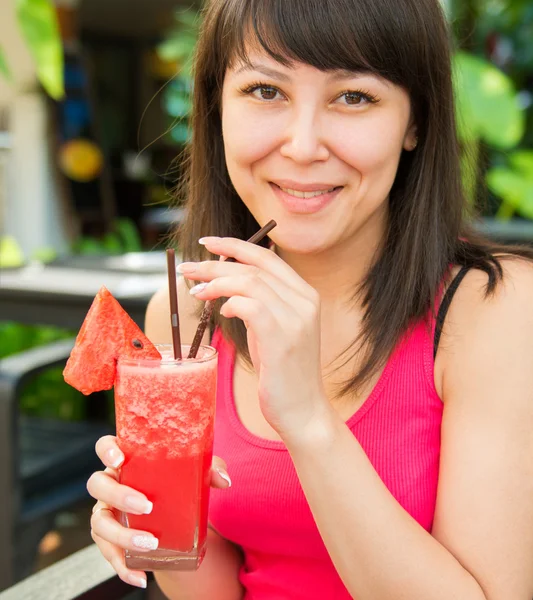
(48, 396)
(17, 337)
(129, 234)
(38, 23)
(111, 243)
(124, 238)
(513, 186)
(10, 253)
(14, 338)
(177, 47)
(4, 67)
(187, 18)
(87, 245)
(45, 255)
(522, 162)
(487, 103)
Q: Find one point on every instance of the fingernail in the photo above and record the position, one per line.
(224, 475)
(145, 542)
(139, 504)
(187, 267)
(197, 288)
(210, 239)
(137, 581)
(115, 457)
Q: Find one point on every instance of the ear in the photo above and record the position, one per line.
(410, 141)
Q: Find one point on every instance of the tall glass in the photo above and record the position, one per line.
(164, 415)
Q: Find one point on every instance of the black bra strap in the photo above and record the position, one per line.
(445, 305)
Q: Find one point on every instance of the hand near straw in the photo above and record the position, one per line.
(209, 306)
(281, 313)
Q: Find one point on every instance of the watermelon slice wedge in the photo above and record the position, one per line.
(106, 334)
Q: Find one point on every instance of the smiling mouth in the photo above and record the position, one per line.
(307, 195)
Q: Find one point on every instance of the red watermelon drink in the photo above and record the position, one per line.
(164, 416)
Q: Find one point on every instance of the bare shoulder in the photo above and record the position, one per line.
(157, 322)
(484, 514)
(475, 320)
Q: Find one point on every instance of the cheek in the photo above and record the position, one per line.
(368, 146)
(247, 138)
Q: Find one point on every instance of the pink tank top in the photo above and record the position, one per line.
(265, 511)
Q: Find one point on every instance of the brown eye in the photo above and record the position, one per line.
(268, 93)
(137, 344)
(353, 98)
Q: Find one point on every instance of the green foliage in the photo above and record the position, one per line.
(124, 238)
(10, 253)
(177, 103)
(129, 235)
(38, 23)
(493, 119)
(180, 41)
(489, 112)
(179, 46)
(487, 103)
(514, 183)
(4, 67)
(44, 255)
(46, 395)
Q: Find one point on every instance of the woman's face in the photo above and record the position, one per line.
(316, 151)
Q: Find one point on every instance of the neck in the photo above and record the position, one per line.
(337, 272)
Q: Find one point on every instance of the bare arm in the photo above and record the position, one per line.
(482, 542)
(217, 577)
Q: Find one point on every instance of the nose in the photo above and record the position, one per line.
(304, 143)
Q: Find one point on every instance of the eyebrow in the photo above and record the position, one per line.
(336, 75)
(265, 70)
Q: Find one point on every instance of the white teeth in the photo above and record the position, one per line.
(299, 194)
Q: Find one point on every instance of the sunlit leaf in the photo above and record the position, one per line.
(513, 188)
(111, 243)
(45, 254)
(187, 18)
(11, 254)
(4, 67)
(39, 26)
(129, 234)
(522, 162)
(178, 47)
(88, 246)
(487, 103)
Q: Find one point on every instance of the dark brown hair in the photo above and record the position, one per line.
(406, 42)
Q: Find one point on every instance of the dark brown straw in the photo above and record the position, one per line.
(209, 305)
(173, 295)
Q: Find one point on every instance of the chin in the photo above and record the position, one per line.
(299, 240)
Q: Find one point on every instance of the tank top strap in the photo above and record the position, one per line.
(445, 305)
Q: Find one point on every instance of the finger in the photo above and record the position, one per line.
(253, 313)
(252, 254)
(105, 488)
(251, 287)
(207, 271)
(108, 451)
(219, 474)
(105, 525)
(115, 556)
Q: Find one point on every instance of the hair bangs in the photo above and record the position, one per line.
(323, 34)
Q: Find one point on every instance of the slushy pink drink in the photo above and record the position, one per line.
(164, 416)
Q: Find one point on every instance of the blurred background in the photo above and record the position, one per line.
(94, 106)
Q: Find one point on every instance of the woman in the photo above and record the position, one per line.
(365, 464)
